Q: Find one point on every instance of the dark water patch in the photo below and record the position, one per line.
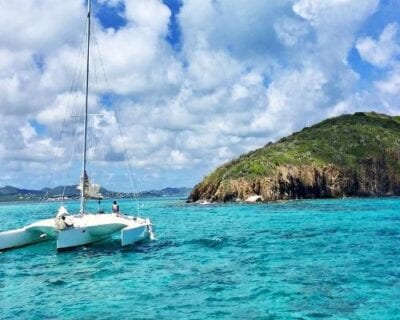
(212, 243)
(57, 282)
(262, 292)
(155, 246)
(305, 234)
(219, 314)
(84, 273)
(388, 232)
(394, 218)
(160, 245)
(319, 315)
(96, 251)
(249, 260)
(142, 248)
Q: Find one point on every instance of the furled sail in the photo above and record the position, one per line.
(92, 190)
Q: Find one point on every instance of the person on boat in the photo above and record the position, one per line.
(62, 222)
(115, 207)
(66, 223)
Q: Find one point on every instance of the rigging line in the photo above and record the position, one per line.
(134, 185)
(94, 62)
(59, 140)
(79, 85)
(92, 148)
(130, 171)
(76, 132)
(77, 125)
(78, 78)
(94, 144)
(101, 62)
(70, 99)
(94, 37)
(73, 146)
(67, 104)
(97, 87)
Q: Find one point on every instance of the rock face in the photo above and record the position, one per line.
(352, 155)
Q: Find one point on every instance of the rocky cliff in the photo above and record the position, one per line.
(351, 155)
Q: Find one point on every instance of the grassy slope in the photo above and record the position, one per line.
(342, 141)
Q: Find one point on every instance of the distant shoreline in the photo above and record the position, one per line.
(279, 201)
(49, 200)
(13, 194)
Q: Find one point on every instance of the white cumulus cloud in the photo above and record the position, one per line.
(383, 51)
(242, 73)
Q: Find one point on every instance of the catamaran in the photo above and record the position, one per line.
(72, 230)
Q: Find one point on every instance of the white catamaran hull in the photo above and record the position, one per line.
(96, 227)
(37, 232)
(134, 234)
(20, 237)
(84, 230)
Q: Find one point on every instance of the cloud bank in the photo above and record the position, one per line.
(191, 87)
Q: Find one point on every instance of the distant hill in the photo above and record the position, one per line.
(9, 190)
(350, 155)
(167, 192)
(70, 191)
(9, 193)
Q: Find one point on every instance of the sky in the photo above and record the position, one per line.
(178, 87)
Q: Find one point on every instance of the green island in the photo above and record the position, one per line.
(349, 155)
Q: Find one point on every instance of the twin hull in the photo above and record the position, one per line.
(87, 229)
(74, 237)
(36, 232)
(22, 237)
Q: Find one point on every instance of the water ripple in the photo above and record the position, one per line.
(325, 259)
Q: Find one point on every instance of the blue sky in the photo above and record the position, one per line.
(192, 83)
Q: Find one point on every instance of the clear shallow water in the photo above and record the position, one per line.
(324, 259)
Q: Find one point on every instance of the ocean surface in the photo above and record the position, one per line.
(311, 259)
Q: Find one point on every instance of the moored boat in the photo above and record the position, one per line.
(84, 227)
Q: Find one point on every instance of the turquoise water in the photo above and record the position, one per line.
(320, 259)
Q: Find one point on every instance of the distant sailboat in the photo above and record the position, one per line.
(85, 227)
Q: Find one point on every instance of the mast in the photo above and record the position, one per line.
(84, 175)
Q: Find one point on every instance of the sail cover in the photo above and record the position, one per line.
(92, 190)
